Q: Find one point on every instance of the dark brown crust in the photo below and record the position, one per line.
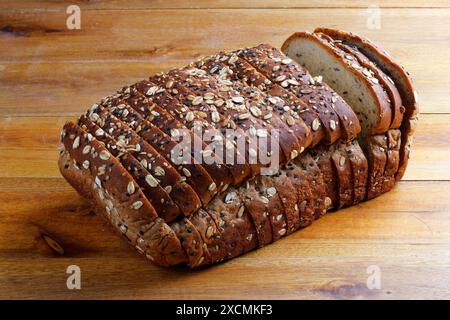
(166, 122)
(191, 241)
(360, 168)
(388, 84)
(138, 223)
(402, 81)
(276, 210)
(202, 112)
(196, 176)
(229, 67)
(301, 182)
(317, 184)
(343, 169)
(376, 151)
(322, 154)
(393, 158)
(182, 193)
(335, 116)
(235, 233)
(259, 212)
(384, 109)
(158, 197)
(169, 112)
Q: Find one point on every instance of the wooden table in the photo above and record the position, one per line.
(49, 74)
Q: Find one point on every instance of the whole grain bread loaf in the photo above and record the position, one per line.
(273, 140)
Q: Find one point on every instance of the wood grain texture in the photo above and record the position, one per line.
(38, 147)
(405, 234)
(207, 4)
(74, 67)
(49, 74)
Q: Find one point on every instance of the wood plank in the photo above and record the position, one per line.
(29, 147)
(38, 77)
(188, 33)
(403, 233)
(65, 88)
(205, 4)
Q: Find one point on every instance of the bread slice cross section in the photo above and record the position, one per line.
(402, 81)
(130, 213)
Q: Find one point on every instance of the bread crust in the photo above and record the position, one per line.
(136, 221)
(403, 82)
(374, 89)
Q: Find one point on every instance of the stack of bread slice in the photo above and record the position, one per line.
(341, 112)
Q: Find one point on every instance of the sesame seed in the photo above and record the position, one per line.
(280, 78)
(86, 149)
(215, 117)
(76, 143)
(131, 188)
(230, 197)
(290, 120)
(244, 116)
(332, 125)
(315, 124)
(238, 99)
(255, 111)
(86, 164)
(212, 187)
(240, 212)
(271, 191)
(233, 59)
(189, 116)
(168, 189)
(169, 84)
(197, 100)
(159, 171)
(186, 172)
(294, 154)
(265, 200)
(341, 161)
(104, 155)
(327, 202)
(137, 205)
(209, 232)
(151, 180)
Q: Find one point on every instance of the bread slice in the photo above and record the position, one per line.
(388, 84)
(360, 170)
(160, 199)
(194, 174)
(403, 83)
(236, 230)
(258, 103)
(392, 160)
(164, 121)
(162, 172)
(257, 207)
(129, 213)
(361, 89)
(344, 175)
(334, 113)
(305, 201)
(367, 98)
(179, 107)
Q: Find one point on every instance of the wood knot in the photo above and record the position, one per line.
(52, 244)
